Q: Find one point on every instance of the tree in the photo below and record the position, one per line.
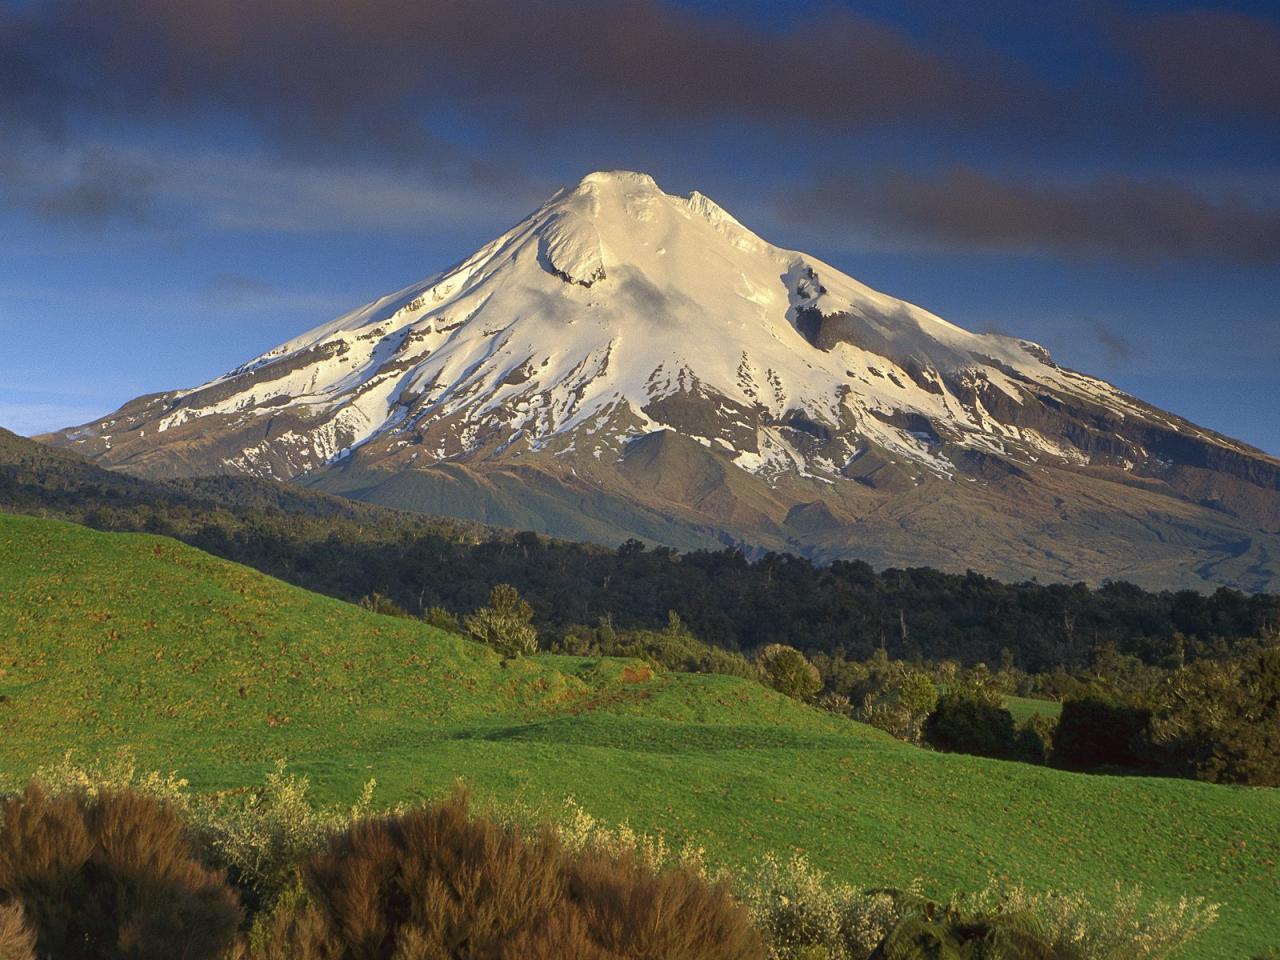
(897, 699)
(1097, 731)
(1221, 721)
(506, 624)
(963, 723)
(787, 671)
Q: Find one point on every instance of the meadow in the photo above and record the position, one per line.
(194, 664)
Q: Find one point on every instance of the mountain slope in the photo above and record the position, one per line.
(209, 668)
(626, 362)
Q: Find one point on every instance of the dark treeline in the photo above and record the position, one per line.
(351, 550)
(737, 603)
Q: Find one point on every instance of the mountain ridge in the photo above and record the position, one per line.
(537, 378)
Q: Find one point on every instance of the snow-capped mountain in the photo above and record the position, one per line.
(628, 362)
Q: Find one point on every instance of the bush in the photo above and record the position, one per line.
(805, 916)
(672, 648)
(506, 624)
(261, 839)
(442, 619)
(633, 911)
(17, 941)
(836, 703)
(117, 774)
(896, 699)
(787, 671)
(294, 929)
(1098, 732)
(934, 934)
(1127, 926)
(962, 723)
(377, 603)
(1034, 741)
(438, 882)
(109, 876)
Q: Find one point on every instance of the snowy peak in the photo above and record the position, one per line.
(616, 310)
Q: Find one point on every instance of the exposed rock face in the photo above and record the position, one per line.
(628, 363)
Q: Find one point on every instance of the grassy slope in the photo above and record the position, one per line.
(1024, 708)
(110, 639)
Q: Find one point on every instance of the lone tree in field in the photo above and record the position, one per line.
(506, 624)
(787, 671)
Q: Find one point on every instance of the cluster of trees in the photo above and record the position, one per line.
(1214, 720)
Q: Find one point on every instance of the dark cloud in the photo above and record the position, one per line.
(1213, 60)
(345, 73)
(1110, 216)
(236, 289)
(1117, 347)
(86, 186)
(101, 188)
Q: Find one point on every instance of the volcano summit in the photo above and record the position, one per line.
(624, 362)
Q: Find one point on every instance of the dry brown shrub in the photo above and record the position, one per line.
(634, 911)
(437, 883)
(111, 876)
(465, 885)
(17, 942)
(294, 930)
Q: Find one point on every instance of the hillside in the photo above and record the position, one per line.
(214, 669)
(624, 362)
(38, 478)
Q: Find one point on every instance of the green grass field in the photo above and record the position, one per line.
(198, 665)
(1024, 708)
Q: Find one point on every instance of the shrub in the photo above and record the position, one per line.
(581, 833)
(262, 838)
(1098, 732)
(506, 624)
(442, 619)
(109, 876)
(17, 941)
(1221, 721)
(1125, 927)
(836, 703)
(805, 916)
(294, 929)
(962, 723)
(633, 911)
(1034, 740)
(933, 934)
(787, 671)
(377, 603)
(896, 699)
(436, 882)
(672, 648)
(117, 774)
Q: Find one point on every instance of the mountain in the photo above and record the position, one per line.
(624, 362)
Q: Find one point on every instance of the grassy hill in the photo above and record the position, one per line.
(216, 670)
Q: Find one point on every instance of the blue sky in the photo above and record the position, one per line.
(185, 183)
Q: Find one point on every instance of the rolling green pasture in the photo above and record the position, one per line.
(199, 665)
